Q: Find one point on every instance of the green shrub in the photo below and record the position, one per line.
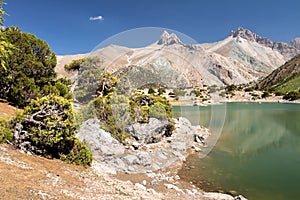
(249, 89)
(161, 91)
(116, 111)
(51, 130)
(179, 92)
(231, 88)
(138, 101)
(74, 65)
(222, 94)
(196, 92)
(213, 88)
(6, 130)
(291, 96)
(157, 110)
(151, 91)
(265, 94)
(278, 93)
(111, 121)
(80, 154)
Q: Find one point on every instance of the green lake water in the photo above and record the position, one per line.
(257, 154)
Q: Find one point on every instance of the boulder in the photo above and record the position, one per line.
(132, 160)
(178, 146)
(100, 141)
(140, 186)
(144, 159)
(151, 132)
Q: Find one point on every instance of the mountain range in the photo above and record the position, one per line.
(241, 57)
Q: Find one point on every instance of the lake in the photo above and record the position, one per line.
(257, 154)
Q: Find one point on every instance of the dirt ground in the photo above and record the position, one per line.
(25, 176)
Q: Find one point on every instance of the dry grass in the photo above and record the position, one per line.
(7, 110)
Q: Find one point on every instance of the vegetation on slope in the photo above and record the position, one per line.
(284, 79)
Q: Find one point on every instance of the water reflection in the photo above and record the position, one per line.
(258, 153)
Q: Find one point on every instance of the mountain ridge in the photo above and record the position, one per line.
(289, 50)
(240, 58)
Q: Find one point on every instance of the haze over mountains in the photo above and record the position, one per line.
(241, 57)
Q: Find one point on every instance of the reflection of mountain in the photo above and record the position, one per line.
(248, 132)
(241, 57)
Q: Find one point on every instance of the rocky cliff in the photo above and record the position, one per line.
(284, 48)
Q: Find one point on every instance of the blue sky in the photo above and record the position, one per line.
(66, 24)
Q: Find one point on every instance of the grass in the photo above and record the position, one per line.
(290, 85)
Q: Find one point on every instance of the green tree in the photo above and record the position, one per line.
(74, 65)
(5, 46)
(30, 67)
(161, 91)
(49, 130)
(88, 72)
(2, 12)
(107, 84)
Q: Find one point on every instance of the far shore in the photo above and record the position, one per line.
(271, 100)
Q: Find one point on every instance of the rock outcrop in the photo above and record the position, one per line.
(141, 155)
(151, 132)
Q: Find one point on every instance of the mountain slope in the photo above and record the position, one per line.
(285, 78)
(240, 58)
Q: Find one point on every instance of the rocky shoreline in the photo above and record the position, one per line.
(151, 167)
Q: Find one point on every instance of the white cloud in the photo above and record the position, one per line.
(100, 18)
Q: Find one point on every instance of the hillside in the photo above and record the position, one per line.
(240, 58)
(285, 78)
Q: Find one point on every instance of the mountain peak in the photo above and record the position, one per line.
(283, 48)
(246, 34)
(168, 39)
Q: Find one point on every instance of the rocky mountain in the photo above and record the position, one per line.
(284, 48)
(240, 58)
(285, 78)
(296, 43)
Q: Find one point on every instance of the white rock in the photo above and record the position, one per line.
(140, 186)
(151, 191)
(219, 196)
(176, 177)
(144, 182)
